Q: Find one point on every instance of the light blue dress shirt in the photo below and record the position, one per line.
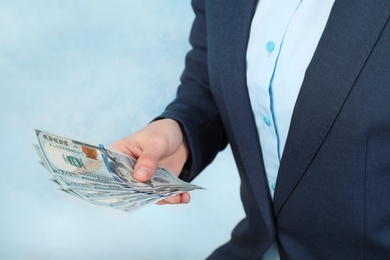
(283, 37)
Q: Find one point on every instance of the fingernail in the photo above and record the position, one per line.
(142, 172)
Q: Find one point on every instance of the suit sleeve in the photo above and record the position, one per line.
(194, 107)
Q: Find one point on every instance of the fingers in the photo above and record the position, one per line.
(182, 198)
(146, 166)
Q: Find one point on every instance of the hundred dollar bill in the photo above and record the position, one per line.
(95, 195)
(116, 201)
(136, 205)
(71, 158)
(103, 176)
(131, 207)
(127, 204)
(63, 182)
(54, 160)
(109, 196)
(123, 201)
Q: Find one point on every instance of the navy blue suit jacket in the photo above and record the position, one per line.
(332, 197)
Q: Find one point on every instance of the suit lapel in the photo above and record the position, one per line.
(351, 32)
(230, 34)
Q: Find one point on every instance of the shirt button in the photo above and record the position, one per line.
(273, 186)
(270, 46)
(266, 120)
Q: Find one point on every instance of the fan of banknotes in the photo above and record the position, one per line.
(103, 176)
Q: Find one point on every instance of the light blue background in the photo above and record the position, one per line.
(97, 71)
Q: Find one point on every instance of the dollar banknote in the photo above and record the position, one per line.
(103, 176)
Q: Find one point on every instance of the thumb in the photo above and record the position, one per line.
(146, 166)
